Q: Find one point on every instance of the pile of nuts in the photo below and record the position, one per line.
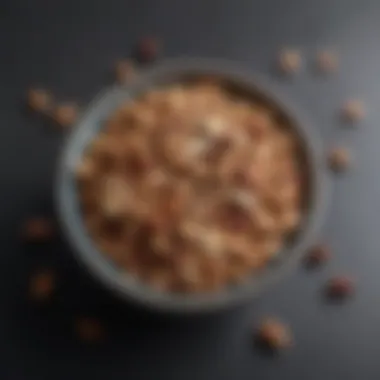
(191, 187)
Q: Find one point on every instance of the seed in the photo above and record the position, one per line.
(289, 61)
(148, 49)
(125, 71)
(39, 100)
(327, 61)
(42, 285)
(65, 114)
(353, 111)
(89, 329)
(339, 159)
(273, 334)
(340, 287)
(38, 229)
(318, 255)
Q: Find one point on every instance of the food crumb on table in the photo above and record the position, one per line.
(148, 49)
(39, 100)
(89, 329)
(289, 61)
(125, 71)
(65, 114)
(339, 159)
(38, 229)
(42, 284)
(317, 255)
(340, 287)
(327, 61)
(353, 111)
(274, 334)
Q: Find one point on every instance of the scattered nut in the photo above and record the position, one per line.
(289, 61)
(125, 71)
(65, 114)
(274, 334)
(89, 329)
(339, 159)
(318, 255)
(42, 285)
(327, 61)
(38, 229)
(39, 100)
(353, 111)
(148, 49)
(340, 287)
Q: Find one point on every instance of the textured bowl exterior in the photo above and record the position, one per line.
(127, 287)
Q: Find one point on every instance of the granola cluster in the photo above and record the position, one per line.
(190, 188)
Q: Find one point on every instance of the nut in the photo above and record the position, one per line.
(38, 229)
(89, 329)
(327, 61)
(318, 255)
(340, 287)
(42, 285)
(289, 61)
(273, 334)
(65, 114)
(353, 111)
(39, 100)
(339, 159)
(148, 49)
(125, 71)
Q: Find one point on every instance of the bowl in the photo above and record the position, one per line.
(127, 287)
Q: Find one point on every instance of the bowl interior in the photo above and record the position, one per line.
(179, 71)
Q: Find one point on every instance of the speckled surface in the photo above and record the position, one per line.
(70, 47)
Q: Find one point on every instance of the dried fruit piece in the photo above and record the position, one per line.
(39, 100)
(353, 111)
(289, 61)
(65, 114)
(148, 49)
(273, 334)
(125, 71)
(339, 159)
(42, 285)
(89, 329)
(318, 255)
(340, 287)
(327, 61)
(38, 229)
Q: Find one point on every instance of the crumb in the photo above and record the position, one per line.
(39, 100)
(289, 61)
(38, 229)
(339, 159)
(340, 287)
(148, 49)
(274, 334)
(327, 61)
(42, 285)
(124, 71)
(89, 329)
(318, 255)
(65, 114)
(353, 111)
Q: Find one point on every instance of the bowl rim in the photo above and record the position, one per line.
(126, 286)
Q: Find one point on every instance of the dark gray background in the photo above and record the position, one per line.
(69, 47)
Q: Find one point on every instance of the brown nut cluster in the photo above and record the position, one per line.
(191, 187)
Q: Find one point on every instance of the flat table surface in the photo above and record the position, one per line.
(70, 47)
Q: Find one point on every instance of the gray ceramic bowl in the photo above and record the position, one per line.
(128, 288)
